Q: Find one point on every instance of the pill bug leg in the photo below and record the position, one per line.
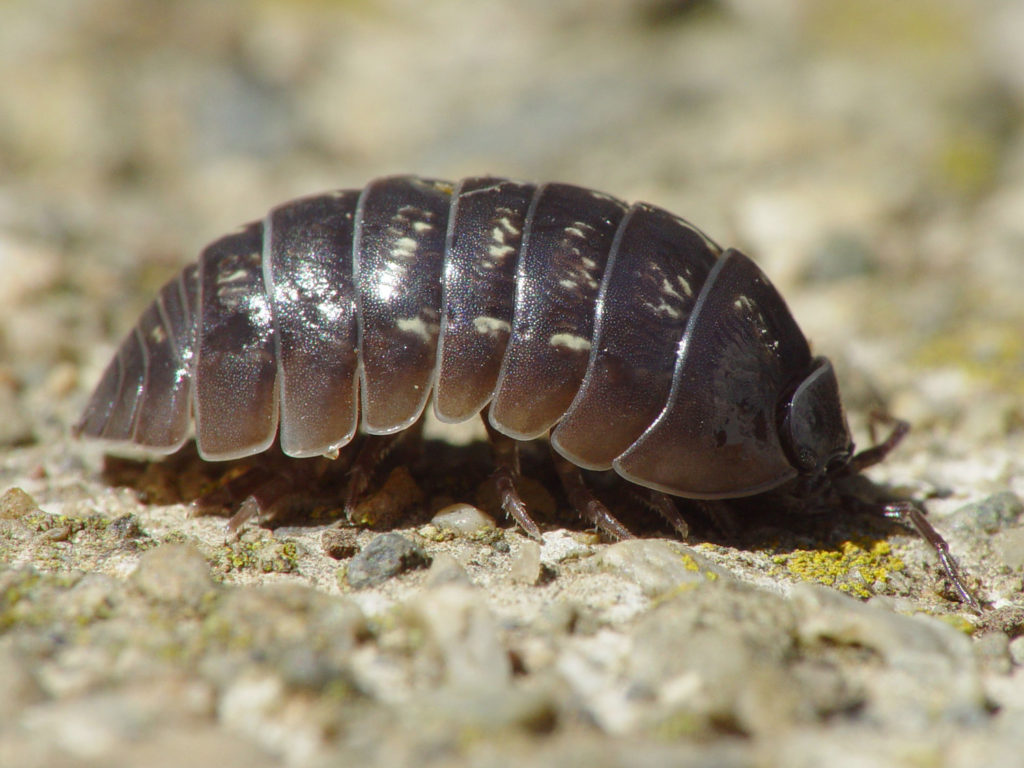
(584, 502)
(911, 516)
(231, 492)
(506, 473)
(662, 504)
(263, 497)
(257, 490)
(877, 453)
(372, 452)
(904, 512)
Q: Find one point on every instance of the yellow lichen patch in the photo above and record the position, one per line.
(855, 567)
(967, 162)
(959, 622)
(913, 31)
(689, 563)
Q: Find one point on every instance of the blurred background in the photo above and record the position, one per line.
(869, 155)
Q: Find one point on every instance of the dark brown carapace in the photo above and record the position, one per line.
(621, 330)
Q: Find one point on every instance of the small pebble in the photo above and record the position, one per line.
(57, 533)
(125, 527)
(1016, 650)
(525, 567)
(19, 688)
(839, 255)
(16, 503)
(385, 556)
(339, 543)
(445, 569)
(173, 573)
(993, 653)
(1009, 546)
(16, 429)
(464, 520)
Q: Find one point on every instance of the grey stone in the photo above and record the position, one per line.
(993, 513)
(483, 709)
(445, 569)
(840, 255)
(1009, 547)
(15, 503)
(19, 687)
(660, 566)
(383, 558)
(282, 621)
(174, 573)
(719, 653)
(16, 429)
(1016, 650)
(462, 634)
(126, 527)
(993, 653)
(929, 672)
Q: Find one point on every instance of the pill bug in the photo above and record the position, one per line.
(622, 331)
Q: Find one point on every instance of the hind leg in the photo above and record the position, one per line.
(506, 473)
(584, 502)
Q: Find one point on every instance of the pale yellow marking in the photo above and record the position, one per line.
(743, 302)
(685, 285)
(506, 224)
(666, 288)
(570, 341)
(500, 252)
(490, 325)
(416, 326)
(232, 277)
(405, 247)
(664, 308)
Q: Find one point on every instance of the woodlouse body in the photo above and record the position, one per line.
(641, 344)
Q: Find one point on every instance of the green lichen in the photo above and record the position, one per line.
(41, 522)
(682, 724)
(858, 568)
(958, 622)
(26, 596)
(266, 555)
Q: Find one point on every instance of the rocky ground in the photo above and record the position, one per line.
(870, 156)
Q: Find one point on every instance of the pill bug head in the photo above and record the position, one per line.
(812, 425)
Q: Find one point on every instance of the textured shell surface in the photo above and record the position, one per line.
(621, 330)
